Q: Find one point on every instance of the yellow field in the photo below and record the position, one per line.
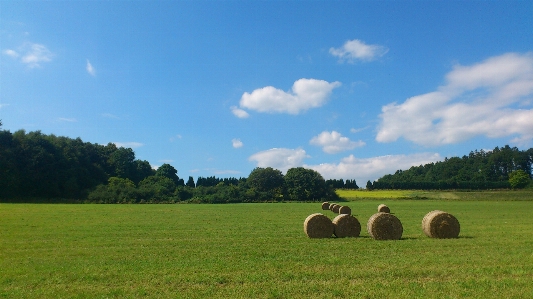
(351, 195)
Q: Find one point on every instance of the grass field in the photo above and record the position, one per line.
(260, 251)
(352, 195)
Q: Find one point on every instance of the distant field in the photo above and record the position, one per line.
(351, 195)
(260, 251)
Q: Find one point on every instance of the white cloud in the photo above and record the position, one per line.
(357, 50)
(305, 94)
(33, 55)
(279, 158)
(173, 138)
(90, 69)
(237, 143)
(354, 130)
(128, 144)
(477, 100)
(334, 142)
(11, 53)
(67, 119)
(373, 168)
(239, 112)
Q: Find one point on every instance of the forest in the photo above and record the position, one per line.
(501, 168)
(35, 167)
(48, 168)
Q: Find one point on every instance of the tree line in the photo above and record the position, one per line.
(502, 168)
(39, 167)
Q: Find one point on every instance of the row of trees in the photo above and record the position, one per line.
(505, 167)
(263, 184)
(47, 167)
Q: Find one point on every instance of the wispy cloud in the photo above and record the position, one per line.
(357, 130)
(109, 115)
(128, 144)
(3, 105)
(67, 119)
(279, 158)
(90, 69)
(305, 94)
(31, 54)
(333, 142)
(477, 100)
(175, 137)
(356, 49)
(237, 143)
(239, 112)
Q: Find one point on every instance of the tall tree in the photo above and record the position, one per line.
(168, 171)
(305, 184)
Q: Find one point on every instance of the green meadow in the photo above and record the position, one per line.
(261, 251)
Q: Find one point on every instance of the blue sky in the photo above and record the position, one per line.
(354, 89)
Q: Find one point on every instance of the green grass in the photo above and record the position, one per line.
(352, 195)
(260, 251)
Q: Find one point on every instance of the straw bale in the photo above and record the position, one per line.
(331, 205)
(346, 226)
(384, 226)
(318, 226)
(336, 209)
(383, 208)
(345, 210)
(441, 225)
(325, 205)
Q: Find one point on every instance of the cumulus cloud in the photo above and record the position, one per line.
(477, 100)
(356, 49)
(279, 158)
(239, 112)
(372, 168)
(11, 53)
(305, 94)
(128, 144)
(90, 69)
(333, 142)
(237, 143)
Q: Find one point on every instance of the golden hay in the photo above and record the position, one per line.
(325, 205)
(346, 226)
(441, 225)
(318, 226)
(384, 226)
(383, 208)
(336, 209)
(345, 210)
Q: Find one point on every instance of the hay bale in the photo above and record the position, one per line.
(383, 208)
(384, 226)
(325, 205)
(332, 206)
(346, 226)
(345, 210)
(318, 226)
(441, 225)
(336, 209)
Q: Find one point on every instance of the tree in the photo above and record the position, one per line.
(305, 184)
(369, 186)
(168, 171)
(190, 182)
(266, 179)
(518, 179)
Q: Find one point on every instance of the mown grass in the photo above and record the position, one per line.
(260, 251)
(352, 195)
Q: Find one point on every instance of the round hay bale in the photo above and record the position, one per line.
(336, 209)
(345, 210)
(441, 225)
(318, 226)
(383, 208)
(384, 226)
(325, 205)
(346, 226)
(331, 205)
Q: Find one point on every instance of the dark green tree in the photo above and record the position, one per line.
(190, 182)
(266, 180)
(168, 171)
(305, 184)
(369, 186)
